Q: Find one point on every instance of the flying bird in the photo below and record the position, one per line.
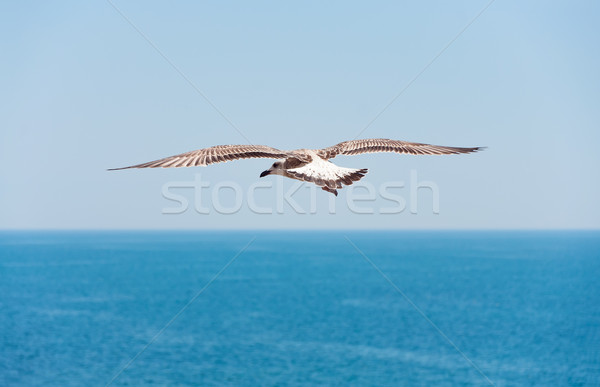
(310, 165)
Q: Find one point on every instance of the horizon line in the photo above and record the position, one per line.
(296, 229)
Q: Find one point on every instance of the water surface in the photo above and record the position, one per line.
(300, 308)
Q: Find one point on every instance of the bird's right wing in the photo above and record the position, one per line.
(215, 154)
(373, 145)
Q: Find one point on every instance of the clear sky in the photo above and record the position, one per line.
(82, 91)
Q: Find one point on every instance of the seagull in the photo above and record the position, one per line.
(310, 165)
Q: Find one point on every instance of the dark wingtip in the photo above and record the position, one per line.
(470, 150)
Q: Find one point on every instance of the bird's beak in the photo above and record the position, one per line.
(265, 173)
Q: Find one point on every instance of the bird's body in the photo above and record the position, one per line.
(310, 165)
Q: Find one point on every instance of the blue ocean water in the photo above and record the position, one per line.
(300, 308)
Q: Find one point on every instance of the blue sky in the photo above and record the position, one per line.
(81, 91)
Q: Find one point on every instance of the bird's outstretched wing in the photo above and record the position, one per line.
(373, 145)
(215, 154)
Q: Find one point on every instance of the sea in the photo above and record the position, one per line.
(299, 308)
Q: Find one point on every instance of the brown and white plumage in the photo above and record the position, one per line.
(304, 164)
(215, 154)
(375, 145)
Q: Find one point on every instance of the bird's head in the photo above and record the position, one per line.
(276, 169)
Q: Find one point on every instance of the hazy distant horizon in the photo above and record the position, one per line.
(315, 229)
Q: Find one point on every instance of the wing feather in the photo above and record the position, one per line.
(375, 145)
(215, 154)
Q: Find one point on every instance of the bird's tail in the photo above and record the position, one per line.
(348, 176)
(327, 175)
(345, 176)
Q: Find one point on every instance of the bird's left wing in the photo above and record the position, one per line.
(215, 154)
(373, 145)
